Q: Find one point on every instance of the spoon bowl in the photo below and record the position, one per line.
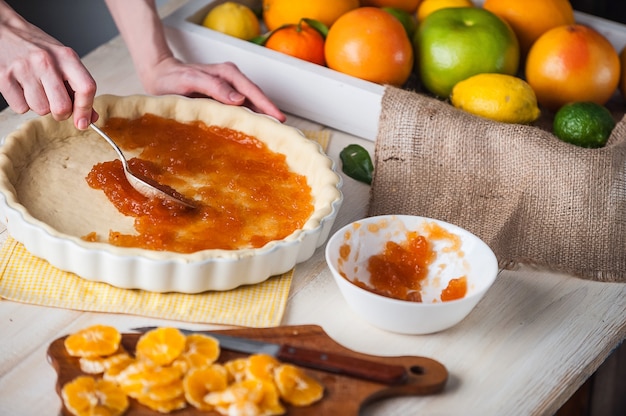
(145, 186)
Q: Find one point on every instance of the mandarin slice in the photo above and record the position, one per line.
(163, 406)
(297, 387)
(247, 390)
(270, 403)
(121, 368)
(200, 381)
(143, 381)
(236, 369)
(86, 395)
(261, 367)
(201, 350)
(161, 345)
(94, 341)
(98, 365)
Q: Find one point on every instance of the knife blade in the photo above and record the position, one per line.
(330, 362)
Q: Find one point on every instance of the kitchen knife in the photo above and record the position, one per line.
(318, 360)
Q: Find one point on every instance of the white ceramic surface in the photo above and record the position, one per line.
(163, 271)
(367, 237)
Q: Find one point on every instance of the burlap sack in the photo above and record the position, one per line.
(531, 197)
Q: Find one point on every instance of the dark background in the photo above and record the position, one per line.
(86, 24)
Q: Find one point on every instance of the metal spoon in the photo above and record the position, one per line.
(143, 185)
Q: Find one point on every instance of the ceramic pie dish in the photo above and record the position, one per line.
(48, 206)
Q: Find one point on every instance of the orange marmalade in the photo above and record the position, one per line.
(400, 270)
(245, 194)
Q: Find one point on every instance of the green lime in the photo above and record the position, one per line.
(584, 124)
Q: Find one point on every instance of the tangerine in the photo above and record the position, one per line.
(572, 63)
(297, 387)
(86, 395)
(160, 346)
(298, 40)
(532, 18)
(279, 12)
(371, 44)
(94, 341)
(409, 6)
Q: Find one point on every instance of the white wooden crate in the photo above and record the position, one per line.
(298, 87)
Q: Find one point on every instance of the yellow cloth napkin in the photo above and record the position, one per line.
(29, 279)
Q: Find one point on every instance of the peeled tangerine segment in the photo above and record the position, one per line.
(261, 367)
(200, 350)
(86, 395)
(161, 346)
(297, 387)
(254, 396)
(199, 382)
(94, 341)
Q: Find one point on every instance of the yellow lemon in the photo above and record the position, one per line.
(426, 7)
(233, 19)
(498, 97)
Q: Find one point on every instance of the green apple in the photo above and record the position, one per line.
(453, 44)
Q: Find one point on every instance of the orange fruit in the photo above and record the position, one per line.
(94, 341)
(86, 395)
(622, 82)
(298, 40)
(370, 44)
(296, 387)
(409, 6)
(572, 63)
(279, 12)
(532, 18)
(160, 346)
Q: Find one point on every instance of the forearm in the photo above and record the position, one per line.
(141, 28)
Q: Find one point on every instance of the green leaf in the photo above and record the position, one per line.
(317, 25)
(357, 163)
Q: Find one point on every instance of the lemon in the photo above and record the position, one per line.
(427, 7)
(585, 124)
(498, 97)
(233, 19)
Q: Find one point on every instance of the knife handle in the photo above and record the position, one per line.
(344, 365)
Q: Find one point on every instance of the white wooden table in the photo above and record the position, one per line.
(529, 344)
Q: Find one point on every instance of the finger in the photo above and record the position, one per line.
(14, 96)
(83, 87)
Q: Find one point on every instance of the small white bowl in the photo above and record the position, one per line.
(367, 237)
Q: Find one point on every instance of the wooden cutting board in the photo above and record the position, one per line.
(343, 395)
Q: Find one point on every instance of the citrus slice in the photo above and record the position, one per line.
(86, 395)
(199, 382)
(141, 382)
(161, 346)
(261, 367)
(296, 387)
(163, 406)
(236, 369)
(98, 365)
(94, 341)
(200, 350)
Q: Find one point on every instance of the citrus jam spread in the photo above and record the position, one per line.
(401, 269)
(244, 194)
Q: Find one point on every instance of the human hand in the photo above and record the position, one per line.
(39, 73)
(223, 82)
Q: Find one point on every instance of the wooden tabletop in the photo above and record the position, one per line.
(530, 343)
